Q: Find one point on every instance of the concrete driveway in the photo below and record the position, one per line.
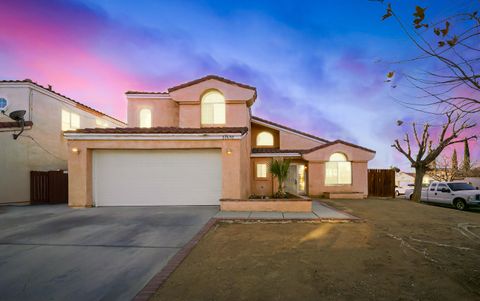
(53, 252)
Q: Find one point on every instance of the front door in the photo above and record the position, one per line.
(296, 179)
(291, 181)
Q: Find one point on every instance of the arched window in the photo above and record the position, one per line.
(213, 108)
(145, 118)
(338, 170)
(264, 139)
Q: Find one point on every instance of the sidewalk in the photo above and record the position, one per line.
(320, 211)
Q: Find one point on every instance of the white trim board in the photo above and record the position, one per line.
(263, 155)
(93, 136)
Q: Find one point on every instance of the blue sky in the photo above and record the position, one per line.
(318, 66)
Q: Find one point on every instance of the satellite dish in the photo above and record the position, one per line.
(3, 104)
(18, 117)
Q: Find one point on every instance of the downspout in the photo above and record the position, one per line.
(30, 103)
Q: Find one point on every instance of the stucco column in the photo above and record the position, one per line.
(79, 175)
(233, 182)
(316, 178)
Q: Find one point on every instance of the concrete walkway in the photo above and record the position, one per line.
(320, 211)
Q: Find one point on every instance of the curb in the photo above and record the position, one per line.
(340, 211)
(159, 279)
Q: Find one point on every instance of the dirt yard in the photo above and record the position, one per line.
(400, 251)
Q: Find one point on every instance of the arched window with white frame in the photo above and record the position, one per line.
(145, 118)
(338, 170)
(264, 139)
(213, 108)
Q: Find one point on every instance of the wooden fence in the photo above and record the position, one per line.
(48, 187)
(381, 182)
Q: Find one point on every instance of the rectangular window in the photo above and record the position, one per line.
(101, 123)
(441, 186)
(74, 121)
(70, 121)
(145, 118)
(65, 120)
(261, 170)
(338, 173)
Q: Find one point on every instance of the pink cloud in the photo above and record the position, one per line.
(49, 45)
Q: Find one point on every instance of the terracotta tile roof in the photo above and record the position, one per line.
(342, 142)
(219, 78)
(146, 92)
(163, 130)
(80, 105)
(13, 124)
(289, 129)
(276, 151)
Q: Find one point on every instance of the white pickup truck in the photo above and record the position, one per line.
(461, 195)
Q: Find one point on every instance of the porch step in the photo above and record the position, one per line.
(345, 195)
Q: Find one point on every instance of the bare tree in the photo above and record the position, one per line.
(451, 45)
(444, 170)
(426, 150)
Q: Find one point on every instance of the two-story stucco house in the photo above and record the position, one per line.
(197, 143)
(41, 147)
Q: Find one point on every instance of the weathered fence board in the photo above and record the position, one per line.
(48, 187)
(381, 182)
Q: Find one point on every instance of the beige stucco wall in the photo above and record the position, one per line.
(41, 148)
(236, 115)
(316, 169)
(236, 99)
(257, 129)
(295, 141)
(261, 186)
(316, 179)
(164, 111)
(183, 108)
(235, 172)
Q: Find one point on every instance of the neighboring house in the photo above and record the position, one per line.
(402, 178)
(475, 181)
(198, 143)
(41, 147)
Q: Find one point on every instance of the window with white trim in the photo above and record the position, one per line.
(145, 118)
(265, 139)
(261, 170)
(213, 108)
(70, 121)
(338, 170)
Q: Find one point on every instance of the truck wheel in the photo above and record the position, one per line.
(411, 197)
(397, 193)
(460, 204)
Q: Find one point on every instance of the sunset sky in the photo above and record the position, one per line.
(319, 66)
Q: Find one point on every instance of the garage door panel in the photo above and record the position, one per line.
(156, 177)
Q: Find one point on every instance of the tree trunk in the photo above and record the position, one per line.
(417, 191)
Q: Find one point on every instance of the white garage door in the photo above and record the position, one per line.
(156, 177)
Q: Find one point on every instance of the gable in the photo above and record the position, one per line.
(232, 91)
(352, 151)
(289, 138)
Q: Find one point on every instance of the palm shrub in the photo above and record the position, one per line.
(279, 169)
